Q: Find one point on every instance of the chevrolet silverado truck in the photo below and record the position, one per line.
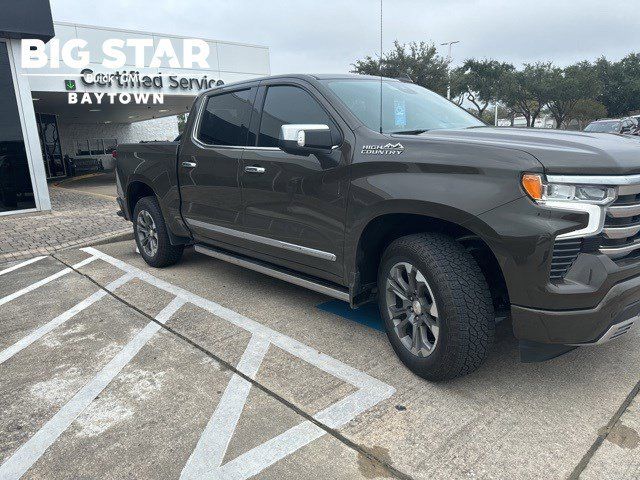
(368, 189)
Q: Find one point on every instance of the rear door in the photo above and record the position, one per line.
(294, 205)
(210, 163)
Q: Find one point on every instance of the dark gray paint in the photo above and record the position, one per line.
(469, 179)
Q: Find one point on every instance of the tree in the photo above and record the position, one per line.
(620, 81)
(585, 111)
(528, 91)
(570, 85)
(481, 81)
(418, 61)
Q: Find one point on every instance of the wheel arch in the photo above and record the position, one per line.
(382, 229)
(136, 190)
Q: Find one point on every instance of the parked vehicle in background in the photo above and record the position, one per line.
(367, 189)
(94, 151)
(622, 126)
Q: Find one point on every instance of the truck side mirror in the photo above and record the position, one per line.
(305, 139)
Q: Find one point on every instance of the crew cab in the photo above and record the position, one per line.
(371, 189)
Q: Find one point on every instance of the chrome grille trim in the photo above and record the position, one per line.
(629, 189)
(621, 232)
(622, 211)
(617, 180)
(619, 252)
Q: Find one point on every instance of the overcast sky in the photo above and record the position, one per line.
(328, 35)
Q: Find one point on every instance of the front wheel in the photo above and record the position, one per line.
(152, 237)
(436, 306)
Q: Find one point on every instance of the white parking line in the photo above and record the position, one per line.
(206, 459)
(214, 441)
(370, 391)
(9, 352)
(18, 464)
(256, 460)
(44, 281)
(20, 265)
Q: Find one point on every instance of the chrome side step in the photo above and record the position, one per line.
(262, 267)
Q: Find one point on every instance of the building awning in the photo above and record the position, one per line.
(27, 19)
(57, 103)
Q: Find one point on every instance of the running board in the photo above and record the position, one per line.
(267, 269)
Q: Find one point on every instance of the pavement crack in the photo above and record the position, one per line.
(603, 433)
(362, 451)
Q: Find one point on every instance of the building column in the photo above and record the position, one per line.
(29, 129)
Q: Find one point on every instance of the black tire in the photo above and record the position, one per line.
(165, 254)
(464, 314)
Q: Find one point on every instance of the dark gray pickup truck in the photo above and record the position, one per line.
(370, 190)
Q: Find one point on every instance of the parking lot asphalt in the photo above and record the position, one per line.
(112, 369)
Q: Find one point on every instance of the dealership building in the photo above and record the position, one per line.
(50, 127)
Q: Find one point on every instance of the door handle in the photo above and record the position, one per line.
(189, 164)
(254, 169)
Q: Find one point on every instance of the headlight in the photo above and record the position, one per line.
(589, 199)
(543, 192)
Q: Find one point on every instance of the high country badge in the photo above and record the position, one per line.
(388, 149)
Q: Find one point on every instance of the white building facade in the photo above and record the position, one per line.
(59, 132)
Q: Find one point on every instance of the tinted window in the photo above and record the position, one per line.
(286, 105)
(225, 119)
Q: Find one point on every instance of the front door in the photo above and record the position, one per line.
(210, 162)
(295, 205)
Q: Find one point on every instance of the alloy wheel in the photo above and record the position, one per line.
(147, 233)
(412, 308)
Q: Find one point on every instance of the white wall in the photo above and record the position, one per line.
(29, 129)
(227, 61)
(157, 129)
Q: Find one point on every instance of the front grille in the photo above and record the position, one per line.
(620, 237)
(565, 253)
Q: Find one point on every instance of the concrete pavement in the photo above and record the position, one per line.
(244, 376)
(103, 183)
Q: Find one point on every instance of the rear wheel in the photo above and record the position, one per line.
(151, 234)
(436, 306)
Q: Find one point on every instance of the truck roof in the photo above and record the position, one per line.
(308, 77)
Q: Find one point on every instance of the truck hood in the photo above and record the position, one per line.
(560, 152)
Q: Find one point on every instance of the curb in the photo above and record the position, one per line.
(112, 237)
(83, 192)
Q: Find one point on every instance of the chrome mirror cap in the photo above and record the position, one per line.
(297, 132)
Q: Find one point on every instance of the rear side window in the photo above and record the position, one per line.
(225, 119)
(287, 105)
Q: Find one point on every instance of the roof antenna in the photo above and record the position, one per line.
(380, 66)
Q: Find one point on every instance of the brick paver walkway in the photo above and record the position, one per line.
(75, 219)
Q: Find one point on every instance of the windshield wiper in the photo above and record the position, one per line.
(410, 132)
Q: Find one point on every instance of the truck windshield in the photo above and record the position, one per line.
(406, 108)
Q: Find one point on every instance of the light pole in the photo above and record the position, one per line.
(449, 58)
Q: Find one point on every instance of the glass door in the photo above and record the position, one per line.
(16, 191)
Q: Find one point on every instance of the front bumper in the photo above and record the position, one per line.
(615, 315)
